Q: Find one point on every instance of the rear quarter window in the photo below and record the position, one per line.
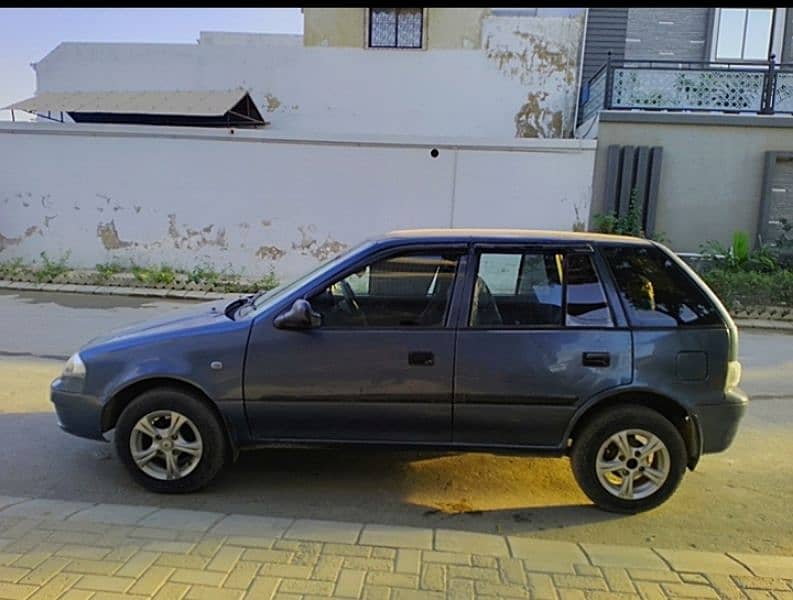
(656, 292)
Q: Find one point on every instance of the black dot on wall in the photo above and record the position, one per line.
(434, 153)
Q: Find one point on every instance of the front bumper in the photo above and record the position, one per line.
(718, 423)
(77, 413)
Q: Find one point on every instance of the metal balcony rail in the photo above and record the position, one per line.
(764, 87)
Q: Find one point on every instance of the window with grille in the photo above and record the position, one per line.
(396, 27)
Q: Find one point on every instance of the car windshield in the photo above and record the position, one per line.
(275, 294)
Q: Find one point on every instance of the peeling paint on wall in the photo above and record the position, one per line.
(270, 252)
(541, 53)
(109, 235)
(309, 245)
(272, 102)
(194, 239)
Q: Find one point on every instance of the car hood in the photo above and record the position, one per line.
(195, 316)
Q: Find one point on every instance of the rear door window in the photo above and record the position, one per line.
(655, 290)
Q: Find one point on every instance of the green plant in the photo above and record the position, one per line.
(154, 275)
(628, 224)
(268, 282)
(50, 269)
(739, 256)
(13, 268)
(751, 288)
(104, 271)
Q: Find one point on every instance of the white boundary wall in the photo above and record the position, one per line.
(252, 201)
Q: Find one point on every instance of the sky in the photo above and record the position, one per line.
(28, 34)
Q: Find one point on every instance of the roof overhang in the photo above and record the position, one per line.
(206, 108)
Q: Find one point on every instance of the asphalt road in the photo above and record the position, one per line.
(737, 500)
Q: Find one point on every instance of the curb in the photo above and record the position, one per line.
(37, 510)
(114, 290)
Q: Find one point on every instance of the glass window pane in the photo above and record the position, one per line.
(758, 34)
(656, 292)
(382, 26)
(500, 272)
(586, 301)
(409, 27)
(502, 299)
(730, 42)
(410, 290)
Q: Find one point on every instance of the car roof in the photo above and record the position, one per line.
(509, 235)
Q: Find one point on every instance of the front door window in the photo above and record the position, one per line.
(410, 290)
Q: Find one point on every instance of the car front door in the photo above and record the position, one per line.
(538, 340)
(378, 369)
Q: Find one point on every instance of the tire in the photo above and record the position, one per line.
(607, 487)
(202, 439)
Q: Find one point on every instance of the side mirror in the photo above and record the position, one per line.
(299, 316)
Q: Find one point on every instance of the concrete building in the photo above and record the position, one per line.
(692, 110)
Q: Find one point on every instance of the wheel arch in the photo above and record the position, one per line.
(685, 422)
(121, 398)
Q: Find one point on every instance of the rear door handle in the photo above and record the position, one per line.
(596, 359)
(423, 359)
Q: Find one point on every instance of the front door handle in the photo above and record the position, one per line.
(423, 359)
(596, 359)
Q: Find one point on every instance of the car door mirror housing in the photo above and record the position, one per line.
(299, 316)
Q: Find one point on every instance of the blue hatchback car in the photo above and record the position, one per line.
(608, 349)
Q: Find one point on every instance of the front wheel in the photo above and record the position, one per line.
(629, 459)
(170, 441)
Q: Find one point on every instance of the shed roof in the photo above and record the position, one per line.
(160, 102)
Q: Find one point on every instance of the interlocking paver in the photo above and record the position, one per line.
(174, 518)
(51, 558)
(250, 525)
(263, 588)
(547, 555)
(201, 592)
(702, 562)
(41, 508)
(397, 537)
(197, 577)
(12, 574)
(603, 555)
(480, 543)
(242, 575)
(324, 531)
(92, 567)
(766, 566)
(14, 591)
(152, 580)
(350, 583)
(117, 514)
(104, 583)
(408, 560)
(687, 590)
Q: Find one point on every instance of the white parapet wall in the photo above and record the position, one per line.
(254, 202)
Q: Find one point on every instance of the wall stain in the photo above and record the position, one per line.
(108, 233)
(310, 245)
(137, 209)
(272, 103)
(194, 239)
(266, 223)
(534, 121)
(270, 252)
(48, 220)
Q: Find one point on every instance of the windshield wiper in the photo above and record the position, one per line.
(234, 305)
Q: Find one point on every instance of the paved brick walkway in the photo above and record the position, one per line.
(74, 550)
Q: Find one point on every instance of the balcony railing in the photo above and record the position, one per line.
(746, 87)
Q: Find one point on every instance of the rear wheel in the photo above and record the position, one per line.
(629, 459)
(170, 441)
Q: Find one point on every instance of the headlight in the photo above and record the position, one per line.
(733, 374)
(74, 366)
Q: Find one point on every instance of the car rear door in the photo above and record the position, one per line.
(538, 339)
(379, 368)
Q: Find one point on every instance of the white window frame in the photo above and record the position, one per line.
(366, 34)
(777, 36)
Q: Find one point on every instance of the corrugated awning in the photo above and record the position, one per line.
(203, 107)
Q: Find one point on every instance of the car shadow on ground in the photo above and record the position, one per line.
(472, 491)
